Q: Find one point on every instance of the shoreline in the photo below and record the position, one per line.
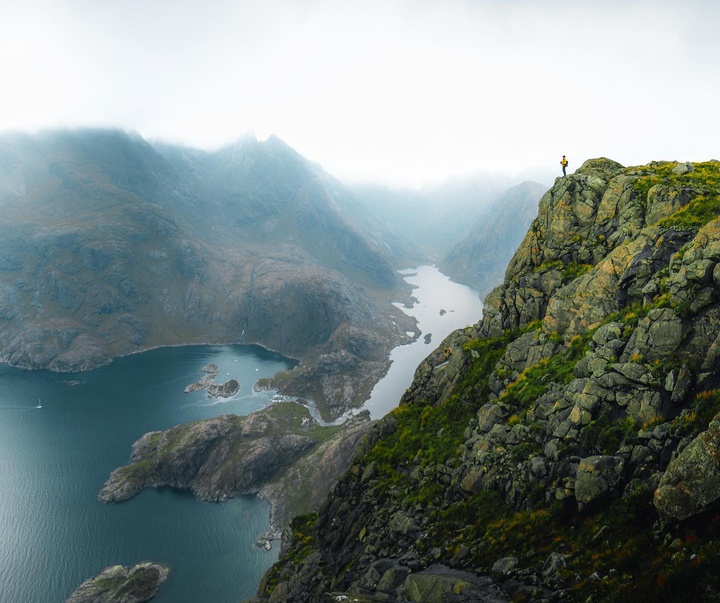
(298, 361)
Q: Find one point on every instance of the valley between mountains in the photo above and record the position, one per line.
(113, 246)
(565, 447)
(562, 448)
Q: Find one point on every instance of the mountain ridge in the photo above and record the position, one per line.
(566, 445)
(111, 246)
(481, 258)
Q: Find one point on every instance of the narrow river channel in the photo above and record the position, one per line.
(441, 307)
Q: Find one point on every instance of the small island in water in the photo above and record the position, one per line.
(214, 390)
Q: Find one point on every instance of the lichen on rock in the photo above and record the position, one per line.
(540, 433)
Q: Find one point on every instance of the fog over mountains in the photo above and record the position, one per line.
(111, 245)
(481, 258)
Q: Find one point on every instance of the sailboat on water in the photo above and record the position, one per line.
(39, 404)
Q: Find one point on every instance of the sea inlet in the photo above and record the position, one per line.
(61, 435)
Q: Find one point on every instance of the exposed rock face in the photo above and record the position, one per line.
(280, 452)
(217, 458)
(110, 245)
(542, 432)
(119, 584)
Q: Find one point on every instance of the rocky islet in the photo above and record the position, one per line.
(214, 390)
(120, 584)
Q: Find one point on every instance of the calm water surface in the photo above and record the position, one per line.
(441, 306)
(53, 460)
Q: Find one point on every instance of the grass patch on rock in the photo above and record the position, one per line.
(534, 381)
(703, 183)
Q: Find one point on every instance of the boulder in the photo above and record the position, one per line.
(488, 416)
(504, 566)
(683, 168)
(553, 565)
(439, 584)
(596, 477)
(691, 483)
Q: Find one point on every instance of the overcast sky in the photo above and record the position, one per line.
(399, 91)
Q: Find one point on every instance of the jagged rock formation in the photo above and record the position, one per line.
(279, 451)
(110, 245)
(119, 584)
(219, 458)
(481, 258)
(567, 444)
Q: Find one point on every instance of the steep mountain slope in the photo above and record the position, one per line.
(433, 219)
(110, 245)
(480, 259)
(567, 444)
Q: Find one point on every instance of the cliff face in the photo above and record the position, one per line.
(567, 444)
(279, 452)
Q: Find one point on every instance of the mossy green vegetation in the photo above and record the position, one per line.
(605, 436)
(109, 585)
(427, 434)
(698, 415)
(612, 554)
(534, 381)
(569, 270)
(137, 471)
(301, 544)
(702, 184)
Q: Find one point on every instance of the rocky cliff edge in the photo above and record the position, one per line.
(566, 446)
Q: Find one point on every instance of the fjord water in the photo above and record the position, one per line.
(441, 306)
(53, 460)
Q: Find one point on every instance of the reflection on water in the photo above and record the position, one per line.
(441, 307)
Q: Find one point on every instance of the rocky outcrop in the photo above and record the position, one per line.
(214, 390)
(219, 458)
(279, 452)
(120, 584)
(541, 433)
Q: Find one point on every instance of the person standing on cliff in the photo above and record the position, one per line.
(564, 163)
